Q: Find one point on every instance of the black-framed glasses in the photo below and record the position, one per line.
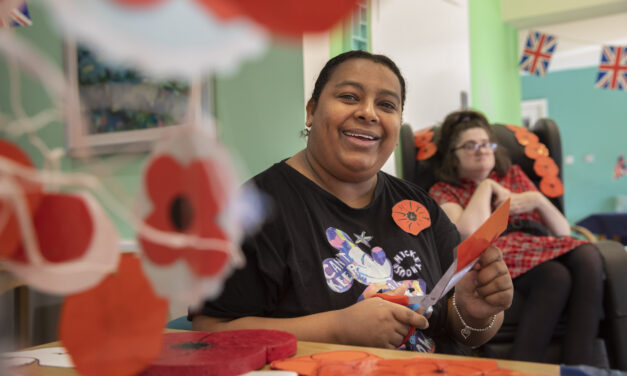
(473, 147)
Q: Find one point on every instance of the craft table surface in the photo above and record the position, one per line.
(306, 348)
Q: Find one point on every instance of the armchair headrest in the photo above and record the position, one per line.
(421, 172)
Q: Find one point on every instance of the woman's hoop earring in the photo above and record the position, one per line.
(306, 131)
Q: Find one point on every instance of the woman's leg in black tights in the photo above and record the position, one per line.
(546, 288)
(584, 306)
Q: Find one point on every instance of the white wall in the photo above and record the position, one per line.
(316, 51)
(429, 40)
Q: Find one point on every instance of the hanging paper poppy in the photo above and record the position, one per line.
(10, 234)
(551, 186)
(426, 151)
(293, 17)
(115, 328)
(185, 202)
(545, 166)
(192, 211)
(526, 138)
(411, 216)
(422, 137)
(536, 150)
(75, 245)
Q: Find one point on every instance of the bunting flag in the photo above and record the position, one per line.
(537, 53)
(613, 68)
(620, 168)
(18, 17)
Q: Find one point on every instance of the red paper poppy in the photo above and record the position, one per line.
(411, 216)
(308, 364)
(545, 166)
(526, 138)
(426, 151)
(115, 328)
(186, 201)
(422, 137)
(516, 128)
(10, 233)
(551, 186)
(536, 150)
(64, 229)
(288, 17)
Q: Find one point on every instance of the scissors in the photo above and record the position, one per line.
(468, 253)
(424, 301)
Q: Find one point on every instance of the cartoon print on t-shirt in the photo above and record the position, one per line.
(375, 272)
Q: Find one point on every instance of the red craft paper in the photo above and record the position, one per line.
(115, 328)
(10, 234)
(361, 363)
(481, 239)
(411, 216)
(308, 364)
(221, 354)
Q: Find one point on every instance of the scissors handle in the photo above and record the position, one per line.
(402, 300)
(398, 299)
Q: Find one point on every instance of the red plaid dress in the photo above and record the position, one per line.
(521, 251)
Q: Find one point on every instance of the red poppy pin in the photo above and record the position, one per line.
(411, 216)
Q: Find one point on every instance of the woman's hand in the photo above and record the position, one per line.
(377, 323)
(485, 290)
(499, 193)
(525, 202)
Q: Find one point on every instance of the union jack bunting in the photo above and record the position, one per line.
(18, 17)
(613, 68)
(620, 168)
(537, 53)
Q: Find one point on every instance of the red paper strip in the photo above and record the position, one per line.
(481, 239)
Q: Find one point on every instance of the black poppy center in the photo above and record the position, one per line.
(181, 212)
(191, 345)
(412, 216)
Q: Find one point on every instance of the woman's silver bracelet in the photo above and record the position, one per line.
(467, 329)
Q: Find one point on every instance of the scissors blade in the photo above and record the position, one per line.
(440, 288)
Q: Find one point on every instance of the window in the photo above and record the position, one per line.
(360, 28)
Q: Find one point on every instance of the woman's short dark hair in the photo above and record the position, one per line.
(454, 124)
(332, 64)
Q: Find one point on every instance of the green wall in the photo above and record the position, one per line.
(260, 113)
(495, 81)
(261, 110)
(591, 121)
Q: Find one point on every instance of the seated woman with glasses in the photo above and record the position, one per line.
(554, 271)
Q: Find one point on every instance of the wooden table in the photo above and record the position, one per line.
(306, 348)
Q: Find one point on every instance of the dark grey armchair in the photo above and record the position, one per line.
(611, 346)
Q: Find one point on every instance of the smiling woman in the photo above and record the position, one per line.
(341, 231)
